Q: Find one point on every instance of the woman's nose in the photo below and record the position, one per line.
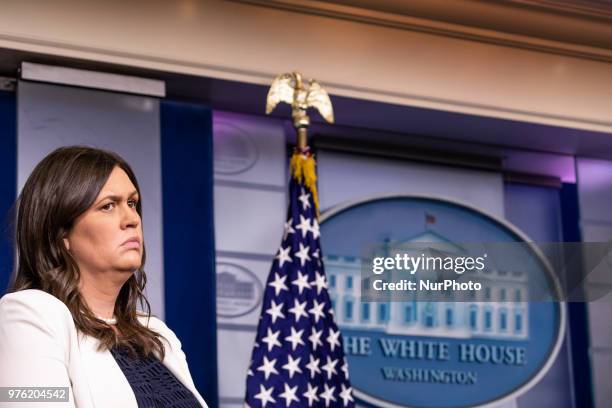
(130, 217)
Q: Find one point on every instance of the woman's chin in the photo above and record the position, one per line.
(128, 266)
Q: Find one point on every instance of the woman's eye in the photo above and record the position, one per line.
(132, 203)
(108, 207)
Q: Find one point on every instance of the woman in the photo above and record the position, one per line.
(71, 318)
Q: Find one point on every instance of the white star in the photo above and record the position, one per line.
(316, 253)
(292, 366)
(283, 256)
(289, 395)
(304, 225)
(278, 284)
(288, 228)
(319, 282)
(304, 199)
(275, 311)
(295, 338)
(303, 254)
(345, 394)
(330, 367)
(332, 339)
(301, 282)
(311, 394)
(315, 338)
(271, 339)
(316, 232)
(344, 369)
(328, 394)
(313, 366)
(265, 395)
(317, 310)
(249, 373)
(298, 310)
(267, 367)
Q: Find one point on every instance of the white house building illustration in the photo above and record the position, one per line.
(498, 311)
(229, 286)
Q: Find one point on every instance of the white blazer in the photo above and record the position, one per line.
(39, 347)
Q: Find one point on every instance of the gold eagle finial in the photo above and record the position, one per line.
(301, 95)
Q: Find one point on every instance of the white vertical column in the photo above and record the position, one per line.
(250, 209)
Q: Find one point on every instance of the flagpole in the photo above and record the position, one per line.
(302, 138)
(301, 94)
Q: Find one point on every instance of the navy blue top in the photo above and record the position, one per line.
(153, 384)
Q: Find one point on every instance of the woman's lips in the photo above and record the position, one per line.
(132, 243)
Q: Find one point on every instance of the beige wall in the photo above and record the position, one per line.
(251, 43)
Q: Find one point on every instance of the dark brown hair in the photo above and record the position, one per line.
(61, 188)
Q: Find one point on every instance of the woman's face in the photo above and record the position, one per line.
(107, 238)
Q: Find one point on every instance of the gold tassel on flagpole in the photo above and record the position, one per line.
(303, 170)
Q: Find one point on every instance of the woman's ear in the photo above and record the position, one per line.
(66, 244)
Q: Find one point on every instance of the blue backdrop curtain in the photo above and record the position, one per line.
(8, 183)
(189, 252)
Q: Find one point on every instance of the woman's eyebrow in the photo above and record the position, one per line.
(115, 197)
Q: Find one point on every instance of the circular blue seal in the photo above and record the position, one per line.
(439, 354)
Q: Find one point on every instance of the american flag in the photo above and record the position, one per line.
(298, 358)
